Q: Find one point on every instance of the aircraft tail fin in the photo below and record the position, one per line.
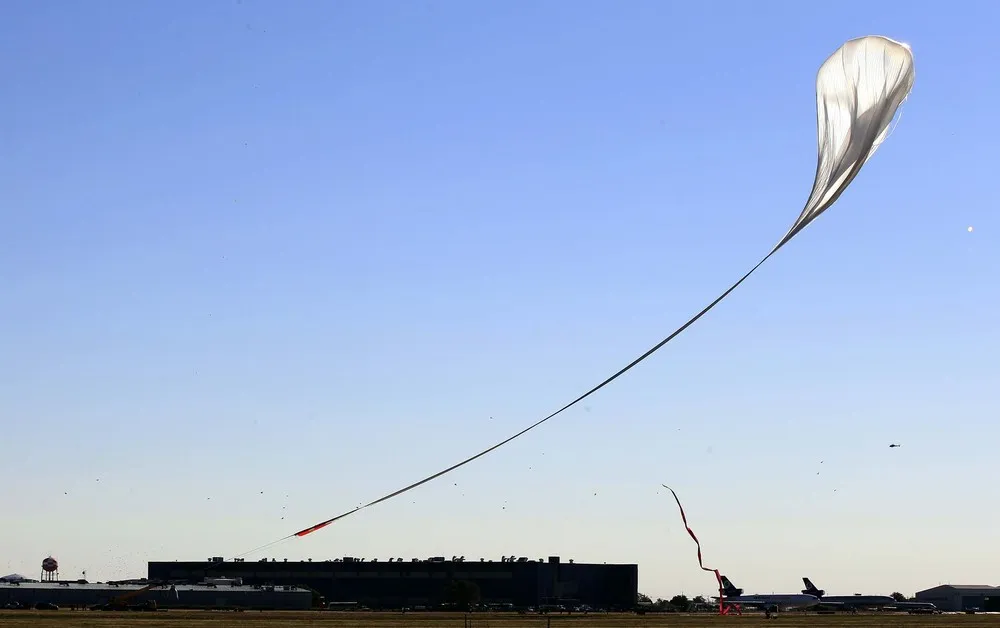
(811, 588)
(729, 589)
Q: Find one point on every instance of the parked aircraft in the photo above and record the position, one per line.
(847, 602)
(915, 607)
(769, 602)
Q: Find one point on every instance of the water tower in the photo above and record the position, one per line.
(50, 569)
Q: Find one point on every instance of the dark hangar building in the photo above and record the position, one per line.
(962, 597)
(398, 583)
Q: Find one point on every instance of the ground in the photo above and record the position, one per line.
(250, 619)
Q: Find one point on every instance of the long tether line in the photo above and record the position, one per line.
(569, 405)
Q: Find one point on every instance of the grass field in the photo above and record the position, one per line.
(210, 619)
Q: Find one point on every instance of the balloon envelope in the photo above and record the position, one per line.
(859, 88)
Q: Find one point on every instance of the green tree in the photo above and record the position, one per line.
(680, 602)
(642, 598)
(699, 599)
(899, 597)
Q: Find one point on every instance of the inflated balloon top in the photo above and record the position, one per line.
(859, 88)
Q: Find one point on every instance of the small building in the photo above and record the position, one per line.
(961, 597)
(85, 594)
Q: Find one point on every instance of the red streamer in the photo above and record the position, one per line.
(723, 609)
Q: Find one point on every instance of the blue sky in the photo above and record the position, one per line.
(264, 260)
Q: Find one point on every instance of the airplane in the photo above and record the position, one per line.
(847, 602)
(915, 607)
(769, 602)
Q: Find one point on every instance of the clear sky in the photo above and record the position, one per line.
(264, 261)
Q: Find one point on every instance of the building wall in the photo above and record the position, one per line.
(944, 600)
(950, 598)
(399, 584)
(601, 586)
(242, 597)
(90, 595)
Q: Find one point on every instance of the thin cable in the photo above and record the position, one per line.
(569, 405)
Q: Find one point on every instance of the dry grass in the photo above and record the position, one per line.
(214, 619)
